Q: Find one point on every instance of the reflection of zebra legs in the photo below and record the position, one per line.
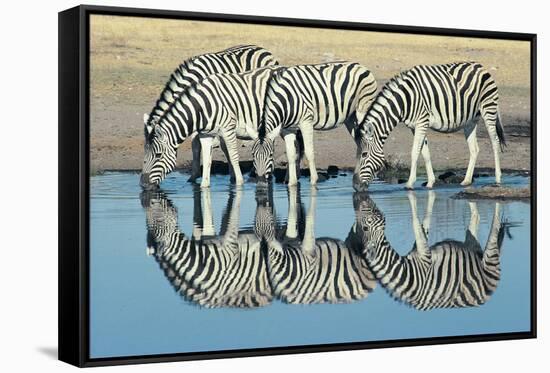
(474, 220)
(293, 218)
(420, 232)
(308, 243)
(208, 228)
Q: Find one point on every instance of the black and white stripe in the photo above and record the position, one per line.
(445, 98)
(303, 269)
(307, 98)
(225, 270)
(232, 61)
(228, 106)
(448, 274)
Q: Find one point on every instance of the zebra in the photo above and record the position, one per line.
(232, 60)
(303, 269)
(228, 106)
(445, 98)
(448, 274)
(209, 270)
(310, 97)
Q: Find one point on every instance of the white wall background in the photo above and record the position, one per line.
(28, 187)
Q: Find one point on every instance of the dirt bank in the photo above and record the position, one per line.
(131, 58)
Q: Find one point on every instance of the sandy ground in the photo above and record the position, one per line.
(132, 58)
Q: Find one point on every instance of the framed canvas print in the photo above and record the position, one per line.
(238, 186)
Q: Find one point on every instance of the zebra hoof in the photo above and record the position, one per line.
(409, 186)
(466, 183)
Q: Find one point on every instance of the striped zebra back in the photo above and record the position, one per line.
(232, 60)
(212, 274)
(323, 94)
(219, 101)
(452, 94)
(305, 270)
(331, 273)
(213, 271)
(448, 274)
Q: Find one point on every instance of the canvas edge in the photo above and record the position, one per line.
(74, 185)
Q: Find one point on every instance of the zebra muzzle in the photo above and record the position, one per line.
(145, 182)
(358, 185)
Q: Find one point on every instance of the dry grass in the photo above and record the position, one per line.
(131, 59)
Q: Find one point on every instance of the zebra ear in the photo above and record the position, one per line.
(145, 118)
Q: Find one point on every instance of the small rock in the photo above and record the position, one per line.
(246, 166)
(455, 179)
(401, 181)
(333, 176)
(279, 174)
(219, 168)
(323, 176)
(332, 170)
(343, 174)
(446, 175)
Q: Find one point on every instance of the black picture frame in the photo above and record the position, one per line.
(74, 69)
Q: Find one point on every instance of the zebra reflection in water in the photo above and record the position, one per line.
(445, 275)
(225, 270)
(249, 268)
(303, 269)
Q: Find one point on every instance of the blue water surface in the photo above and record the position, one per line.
(134, 310)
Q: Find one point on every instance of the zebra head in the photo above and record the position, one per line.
(370, 154)
(159, 158)
(161, 220)
(262, 152)
(370, 224)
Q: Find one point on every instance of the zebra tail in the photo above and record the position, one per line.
(500, 133)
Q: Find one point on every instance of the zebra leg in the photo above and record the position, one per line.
(419, 137)
(230, 140)
(196, 163)
(428, 164)
(206, 150)
(471, 139)
(307, 133)
(290, 144)
(230, 166)
(474, 219)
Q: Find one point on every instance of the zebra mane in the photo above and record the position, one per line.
(187, 92)
(180, 70)
(275, 73)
